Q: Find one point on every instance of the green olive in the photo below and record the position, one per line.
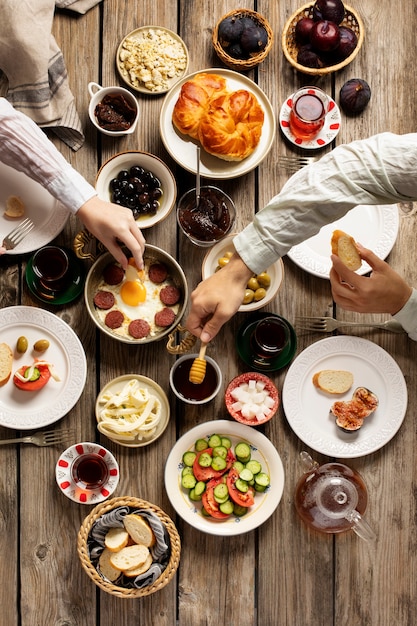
(248, 298)
(259, 294)
(22, 345)
(253, 283)
(224, 260)
(41, 345)
(264, 279)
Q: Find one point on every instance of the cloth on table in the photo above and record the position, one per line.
(35, 67)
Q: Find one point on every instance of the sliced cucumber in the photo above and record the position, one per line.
(246, 474)
(195, 497)
(188, 458)
(200, 488)
(201, 444)
(188, 481)
(214, 441)
(221, 492)
(238, 466)
(242, 485)
(254, 466)
(218, 463)
(220, 451)
(239, 511)
(226, 442)
(262, 479)
(205, 459)
(226, 507)
(242, 451)
(187, 470)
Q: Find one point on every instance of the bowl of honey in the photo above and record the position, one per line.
(192, 393)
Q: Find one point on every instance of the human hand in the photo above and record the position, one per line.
(112, 223)
(384, 291)
(217, 298)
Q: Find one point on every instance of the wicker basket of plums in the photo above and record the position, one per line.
(242, 39)
(322, 37)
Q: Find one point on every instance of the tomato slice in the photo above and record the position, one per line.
(242, 499)
(209, 502)
(207, 473)
(33, 385)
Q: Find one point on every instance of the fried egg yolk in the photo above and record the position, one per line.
(133, 292)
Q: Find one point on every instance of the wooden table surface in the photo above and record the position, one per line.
(281, 573)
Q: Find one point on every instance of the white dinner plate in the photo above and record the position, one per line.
(48, 215)
(373, 226)
(265, 503)
(116, 385)
(308, 410)
(183, 149)
(25, 410)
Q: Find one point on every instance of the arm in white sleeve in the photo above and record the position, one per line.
(25, 147)
(407, 316)
(378, 170)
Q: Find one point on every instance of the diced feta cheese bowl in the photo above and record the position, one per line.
(252, 398)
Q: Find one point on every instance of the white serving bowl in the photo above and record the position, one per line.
(97, 93)
(275, 271)
(124, 161)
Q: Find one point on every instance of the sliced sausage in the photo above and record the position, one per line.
(169, 295)
(158, 272)
(104, 300)
(113, 274)
(165, 317)
(114, 319)
(139, 329)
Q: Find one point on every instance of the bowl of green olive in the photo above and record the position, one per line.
(261, 288)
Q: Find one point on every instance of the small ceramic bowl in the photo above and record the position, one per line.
(97, 94)
(124, 161)
(189, 392)
(98, 475)
(257, 383)
(224, 247)
(211, 221)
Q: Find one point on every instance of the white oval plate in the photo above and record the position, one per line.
(307, 409)
(326, 135)
(25, 410)
(183, 149)
(275, 271)
(375, 227)
(265, 503)
(48, 215)
(66, 483)
(117, 385)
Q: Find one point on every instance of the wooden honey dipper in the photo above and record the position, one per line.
(198, 368)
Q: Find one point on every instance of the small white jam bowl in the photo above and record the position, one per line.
(97, 93)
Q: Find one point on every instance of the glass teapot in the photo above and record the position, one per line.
(332, 498)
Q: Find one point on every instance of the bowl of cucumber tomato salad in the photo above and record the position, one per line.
(224, 478)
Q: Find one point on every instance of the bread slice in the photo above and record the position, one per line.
(15, 207)
(106, 568)
(129, 557)
(135, 571)
(139, 529)
(345, 247)
(6, 363)
(333, 381)
(116, 539)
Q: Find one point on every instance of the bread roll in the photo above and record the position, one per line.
(6, 363)
(106, 568)
(139, 529)
(135, 571)
(15, 207)
(129, 557)
(116, 539)
(333, 381)
(345, 247)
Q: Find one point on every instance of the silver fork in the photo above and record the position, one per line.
(328, 324)
(295, 163)
(43, 438)
(18, 234)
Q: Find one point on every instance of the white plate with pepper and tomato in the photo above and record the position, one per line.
(247, 502)
(38, 404)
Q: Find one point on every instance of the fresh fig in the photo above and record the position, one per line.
(254, 38)
(324, 36)
(230, 30)
(347, 42)
(350, 414)
(332, 10)
(354, 96)
(235, 51)
(302, 30)
(307, 57)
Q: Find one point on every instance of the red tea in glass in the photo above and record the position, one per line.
(308, 113)
(90, 471)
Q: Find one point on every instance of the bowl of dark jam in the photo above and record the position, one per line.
(208, 219)
(114, 111)
(192, 393)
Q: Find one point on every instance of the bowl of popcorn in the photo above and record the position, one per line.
(252, 398)
(151, 59)
(132, 410)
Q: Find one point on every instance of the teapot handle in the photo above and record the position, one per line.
(360, 527)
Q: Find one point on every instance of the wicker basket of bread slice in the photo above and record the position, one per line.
(255, 58)
(129, 547)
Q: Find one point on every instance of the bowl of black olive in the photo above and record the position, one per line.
(140, 181)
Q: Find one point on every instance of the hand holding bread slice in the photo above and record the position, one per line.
(344, 246)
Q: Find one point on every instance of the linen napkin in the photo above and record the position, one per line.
(35, 67)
